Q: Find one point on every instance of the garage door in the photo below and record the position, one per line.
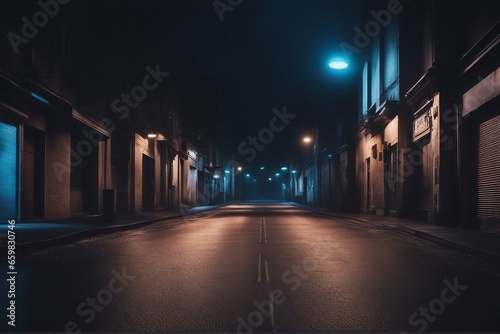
(489, 169)
(8, 172)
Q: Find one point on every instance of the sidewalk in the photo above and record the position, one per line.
(477, 242)
(46, 233)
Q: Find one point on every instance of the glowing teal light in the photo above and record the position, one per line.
(338, 64)
(8, 172)
(284, 168)
(39, 98)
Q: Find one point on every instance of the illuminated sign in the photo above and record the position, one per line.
(422, 125)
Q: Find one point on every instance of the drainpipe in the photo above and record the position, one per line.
(458, 112)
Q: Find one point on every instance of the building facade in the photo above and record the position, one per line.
(90, 123)
(427, 141)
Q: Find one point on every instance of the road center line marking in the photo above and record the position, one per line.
(259, 273)
(260, 230)
(265, 233)
(260, 235)
(267, 272)
(271, 312)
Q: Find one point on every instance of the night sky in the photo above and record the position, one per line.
(263, 55)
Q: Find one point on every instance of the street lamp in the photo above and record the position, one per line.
(240, 184)
(338, 64)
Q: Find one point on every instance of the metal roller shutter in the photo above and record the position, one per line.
(8, 172)
(489, 169)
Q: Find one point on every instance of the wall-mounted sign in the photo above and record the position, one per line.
(422, 125)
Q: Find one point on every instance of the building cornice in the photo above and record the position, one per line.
(423, 89)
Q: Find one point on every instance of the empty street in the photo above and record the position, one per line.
(256, 267)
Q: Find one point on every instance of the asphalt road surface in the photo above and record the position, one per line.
(258, 267)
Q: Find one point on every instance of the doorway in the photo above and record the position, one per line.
(33, 171)
(392, 180)
(148, 183)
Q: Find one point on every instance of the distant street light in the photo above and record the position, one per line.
(338, 64)
(307, 140)
(239, 169)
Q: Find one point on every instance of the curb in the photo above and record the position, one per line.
(409, 231)
(79, 235)
(447, 243)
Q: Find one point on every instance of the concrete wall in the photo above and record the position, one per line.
(158, 170)
(142, 147)
(426, 160)
(192, 179)
(57, 184)
(375, 187)
(192, 186)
